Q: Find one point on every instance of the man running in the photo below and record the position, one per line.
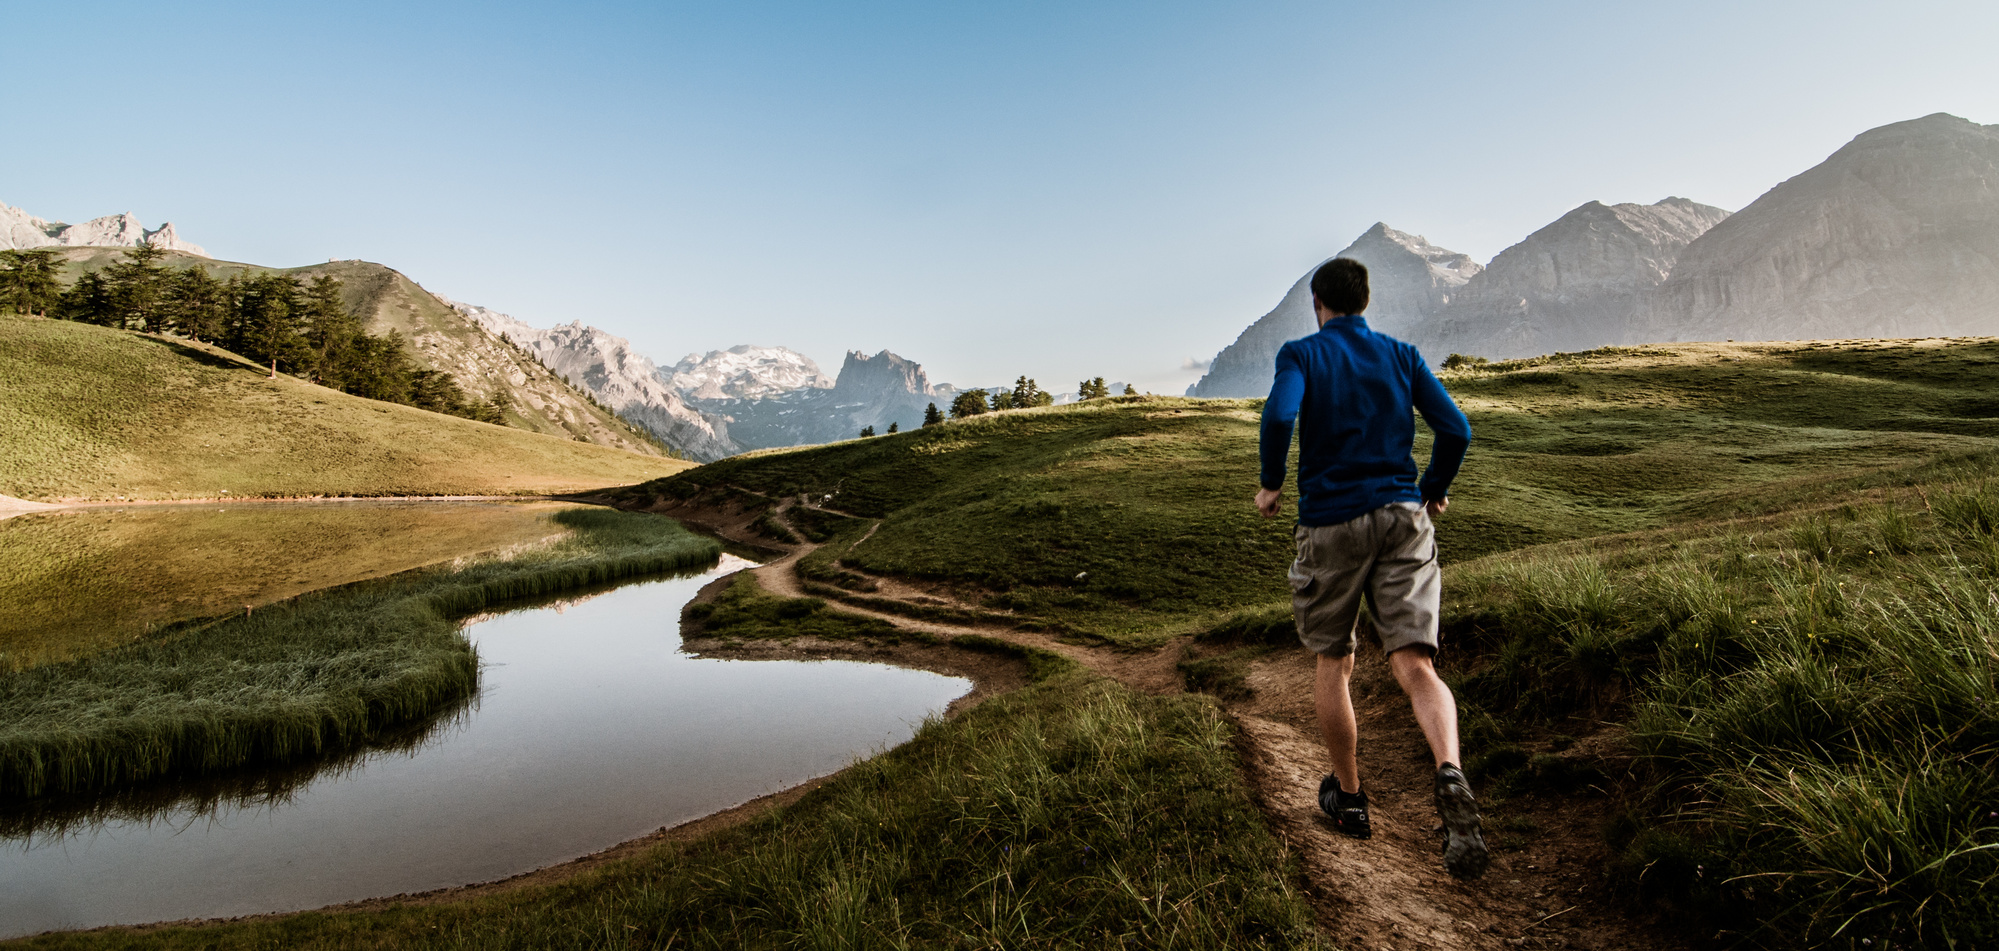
(1364, 532)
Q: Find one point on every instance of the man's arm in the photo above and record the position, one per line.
(1280, 416)
(1452, 431)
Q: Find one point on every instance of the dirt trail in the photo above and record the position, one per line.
(1545, 887)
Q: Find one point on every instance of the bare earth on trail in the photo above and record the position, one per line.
(1545, 888)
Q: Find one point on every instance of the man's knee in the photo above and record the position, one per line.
(1413, 665)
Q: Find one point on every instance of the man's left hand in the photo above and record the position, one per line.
(1267, 501)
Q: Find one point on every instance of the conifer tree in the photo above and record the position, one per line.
(892, 427)
(1130, 390)
(968, 403)
(139, 288)
(28, 282)
(867, 431)
(1092, 389)
(263, 324)
(329, 329)
(89, 301)
(931, 416)
(196, 304)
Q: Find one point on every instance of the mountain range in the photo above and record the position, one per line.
(20, 231)
(1895, 234)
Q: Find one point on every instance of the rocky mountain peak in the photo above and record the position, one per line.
(1410, 280)
(1451, 267)
(1896, 234)
(883, 373)
(1582, 281)
(21, 231)
(744, 372)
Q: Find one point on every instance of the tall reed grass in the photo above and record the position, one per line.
(1825, 698)
(302, 679)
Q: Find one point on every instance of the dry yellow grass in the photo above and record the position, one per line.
(92, 413)
(76, 581)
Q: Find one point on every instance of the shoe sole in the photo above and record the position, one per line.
(1465, 855)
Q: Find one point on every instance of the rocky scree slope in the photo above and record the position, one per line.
(1896, 234)
(609, 369)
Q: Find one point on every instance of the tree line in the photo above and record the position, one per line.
(1025, 393)
(293, 326)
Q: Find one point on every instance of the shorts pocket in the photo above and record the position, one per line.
(1301, 581)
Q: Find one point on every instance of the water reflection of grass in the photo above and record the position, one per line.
(79, 581)
(1073, 813)
(50, 818)
(300, 679)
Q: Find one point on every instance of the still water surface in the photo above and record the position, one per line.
(590, 728)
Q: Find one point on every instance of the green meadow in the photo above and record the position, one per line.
(94, 413)
(76, 581)
(1761, 571)
(1146, 497)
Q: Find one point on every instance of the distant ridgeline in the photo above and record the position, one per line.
(1894, 235)
(281, 320)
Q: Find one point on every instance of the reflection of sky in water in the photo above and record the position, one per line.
(591, 728)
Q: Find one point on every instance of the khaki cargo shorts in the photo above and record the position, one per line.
(1388, 556)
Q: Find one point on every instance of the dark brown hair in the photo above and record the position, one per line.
(1341, 285)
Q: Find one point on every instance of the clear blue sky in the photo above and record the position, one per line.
(1058, 189)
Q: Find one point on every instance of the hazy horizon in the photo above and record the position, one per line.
(1061, 191)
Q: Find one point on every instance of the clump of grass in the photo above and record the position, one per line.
(1820, 721)
(744, 611)
(301, 679)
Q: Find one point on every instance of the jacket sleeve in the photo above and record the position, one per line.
(1447, 422)
(1280, 416)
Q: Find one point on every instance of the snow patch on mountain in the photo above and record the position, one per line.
(745, 372)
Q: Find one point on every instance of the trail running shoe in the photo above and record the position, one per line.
(1349, 810)
(1464, 845)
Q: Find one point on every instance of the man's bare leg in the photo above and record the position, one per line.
(1336, 719)
(1436, 710)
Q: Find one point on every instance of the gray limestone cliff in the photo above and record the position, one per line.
(1410, 280)
(22, 231)
(1584, 281)
(1896, 234)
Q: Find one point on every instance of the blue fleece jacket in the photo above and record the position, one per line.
(1349, 390)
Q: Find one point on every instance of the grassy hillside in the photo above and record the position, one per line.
(440, 339)
(92, 413)
(1148, 498)
(76, 581)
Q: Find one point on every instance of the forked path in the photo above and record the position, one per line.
(1545, 887)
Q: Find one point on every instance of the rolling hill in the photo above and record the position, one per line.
(439, 337)
(93, 413)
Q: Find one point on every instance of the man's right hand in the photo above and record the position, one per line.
(1267, 501)
(1436, 507)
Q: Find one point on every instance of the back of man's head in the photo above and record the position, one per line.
(1341, 285)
